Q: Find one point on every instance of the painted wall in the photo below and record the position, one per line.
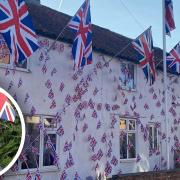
(31, 91)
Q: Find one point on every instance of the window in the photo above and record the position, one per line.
(127, 138)
(49, 142)
(5, 56)
(153, 137)
(127, 75)
(40, 148)
(31, 153)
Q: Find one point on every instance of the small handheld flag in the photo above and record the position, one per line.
(17, 29)
(7, 112)
(82, 45)
(169, 17)
(144, 47)
(173, 59)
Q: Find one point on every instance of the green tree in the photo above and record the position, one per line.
(10, 138)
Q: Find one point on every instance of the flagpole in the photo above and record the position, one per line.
(165, 84)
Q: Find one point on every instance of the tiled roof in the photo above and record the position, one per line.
(49, 23)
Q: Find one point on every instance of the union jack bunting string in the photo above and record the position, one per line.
(99, 154)
(17, 29)
(114, 161)
(82, 45)
(144, 48)
(63, 175)
(108, 169)
(173, 59)
(169, 17)
(7, 112)
(37, 175)
(28, 176)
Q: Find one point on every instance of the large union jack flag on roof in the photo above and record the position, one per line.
(82, 45)
(7, 112)
(17, 29)
(173, 59)
(169, 17)
(144, 47)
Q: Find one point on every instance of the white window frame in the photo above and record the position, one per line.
(49, 131)
(135, 76)
(153, 125)
(128, 131)
(41, 150)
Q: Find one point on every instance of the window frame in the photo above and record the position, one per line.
(41, 146)
(135, 76)
(153, 125)
(49, 131)
(127, 131)
(10, 65)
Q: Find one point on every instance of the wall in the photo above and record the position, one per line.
(32, 96)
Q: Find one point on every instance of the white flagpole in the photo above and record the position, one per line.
(165, 84)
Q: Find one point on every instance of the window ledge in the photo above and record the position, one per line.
(124, 88)
(33, 171)
(127, 160)
(3, 66)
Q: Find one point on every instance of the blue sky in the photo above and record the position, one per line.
(112, 15)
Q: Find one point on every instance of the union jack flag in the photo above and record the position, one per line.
(6, 110)
(173, 59)
(169, 17)
(82, 45)
(17, 29)
(144, 47)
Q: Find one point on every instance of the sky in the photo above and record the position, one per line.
(126, 17)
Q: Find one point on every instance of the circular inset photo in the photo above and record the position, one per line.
(12, 131)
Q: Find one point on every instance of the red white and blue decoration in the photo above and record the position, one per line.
(82, 45)
(144, 47)
(17, 29)
(7, 112)
(173, 59)
(169, 17)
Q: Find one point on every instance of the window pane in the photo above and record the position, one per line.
(130, 77)
(23, 64)
(150, 138)
(31, 143)
(122, 125)
(50, 123)
(123, 74)
(127, 75)
(4, 51)
(5, 55)
(131, 145)
(132, 124)
(155, 139)
(49, 150)
(123, 145)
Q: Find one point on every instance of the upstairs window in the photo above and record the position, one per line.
(127, 75)
(5, 57)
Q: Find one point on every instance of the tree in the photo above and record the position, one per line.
(10, 138)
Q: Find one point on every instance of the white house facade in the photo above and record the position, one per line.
(102, 119)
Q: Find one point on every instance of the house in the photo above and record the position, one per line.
(104, 119)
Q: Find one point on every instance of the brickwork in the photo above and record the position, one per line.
(162, 175)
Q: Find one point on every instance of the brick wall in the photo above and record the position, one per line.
(162, 175)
